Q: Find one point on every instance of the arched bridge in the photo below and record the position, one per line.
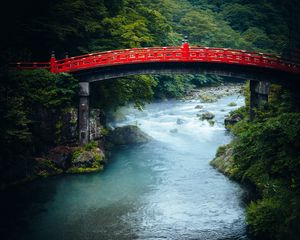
(221, 61)
(261, 67)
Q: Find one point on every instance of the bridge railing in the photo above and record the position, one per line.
(167, 54)
(31, 65)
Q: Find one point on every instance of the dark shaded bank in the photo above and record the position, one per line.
(265, 154)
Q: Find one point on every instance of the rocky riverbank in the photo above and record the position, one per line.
(87, 158)
(223, 160)
(212, 94)
(64, 159)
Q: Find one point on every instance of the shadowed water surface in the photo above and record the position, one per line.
(165, 189)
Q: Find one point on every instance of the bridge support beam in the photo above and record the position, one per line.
(84, 113)
(259, 92)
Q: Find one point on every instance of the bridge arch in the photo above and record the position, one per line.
(258, 67)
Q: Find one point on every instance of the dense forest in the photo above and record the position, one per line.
(33, 29)
(265, 156)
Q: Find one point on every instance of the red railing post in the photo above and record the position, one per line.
(53, 67)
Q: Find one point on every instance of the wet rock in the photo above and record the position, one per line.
(198, 107)
(230, 120)
(211, 94)
(223, 160)
(175, 130)
(87, 159)
(45, 167)
(180, 121)
(128, 135)
(211, 122)
(208, 98)
(61, 156)
(207, 116)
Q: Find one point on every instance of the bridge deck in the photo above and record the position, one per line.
(165, 54)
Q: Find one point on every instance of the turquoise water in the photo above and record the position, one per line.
(165, 189)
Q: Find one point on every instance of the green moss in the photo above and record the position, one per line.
(104, 132)
(224, 160)
(91, 150)
(232, 104)
(84, 170)
(221, 150)
(45, 168)
(91, 145)
(211, 122)
(76, 153)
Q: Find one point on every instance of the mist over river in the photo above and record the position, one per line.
(164, 189)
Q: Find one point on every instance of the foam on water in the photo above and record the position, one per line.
(165, 189)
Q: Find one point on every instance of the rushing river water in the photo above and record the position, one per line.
(165, 189)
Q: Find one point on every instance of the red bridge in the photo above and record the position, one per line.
(263, 68)
(166, 55)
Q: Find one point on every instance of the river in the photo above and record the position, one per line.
(164, 189)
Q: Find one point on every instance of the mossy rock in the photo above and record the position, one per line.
(207, 116)
(224, 160)
(45, 168)
(61, 156)
(198, 107)
(87, 158)
(232, 104)
(211, 122)
(232, 119)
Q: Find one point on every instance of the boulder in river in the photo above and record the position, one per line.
(180, 121)
(174, 130)
(207, 116)
(87, 159)
(130, 134)
(198, 107)
(232, 104)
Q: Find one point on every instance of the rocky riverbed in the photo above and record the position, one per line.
(92, 158)
(212, 94)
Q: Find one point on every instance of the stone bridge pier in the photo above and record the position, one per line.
(259, 92)
(84, 113)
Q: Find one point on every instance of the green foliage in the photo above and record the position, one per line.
(221, 150)
(91, 145)
(110, 95)
(84, 26)
(173, 86)
(266, 153)
(31, 103)
(80, 170)
(264, 217)
(45, 168)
